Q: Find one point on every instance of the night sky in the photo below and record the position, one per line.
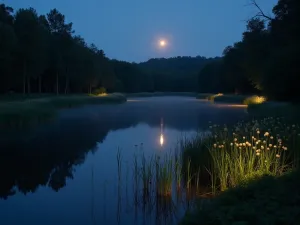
(130, 30)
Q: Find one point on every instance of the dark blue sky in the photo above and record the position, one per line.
(130, 29)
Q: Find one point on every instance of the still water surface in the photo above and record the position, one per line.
(65, 172)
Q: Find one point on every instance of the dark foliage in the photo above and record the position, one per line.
(266, 60)
(42, 54)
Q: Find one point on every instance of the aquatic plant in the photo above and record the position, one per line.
(244, 152)
(119, 162)
(178, 173)
(164, 175)
(189, 175)
(136, 173)
(146, 172)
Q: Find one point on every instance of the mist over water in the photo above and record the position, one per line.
(66, 171)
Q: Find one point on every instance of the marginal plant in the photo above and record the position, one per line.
(119, 162)
(146, 172)
(164, 173)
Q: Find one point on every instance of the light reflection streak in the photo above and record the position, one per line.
(161, 138)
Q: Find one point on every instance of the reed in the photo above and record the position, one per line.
(164, 173)
(119, 162)
(178, 167)
(189, 175)
(146, 172)
(135, 172)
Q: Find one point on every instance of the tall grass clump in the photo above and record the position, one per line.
(147, 173)
(196, 159)
(178, 168)
(164, 175)
(248, 150)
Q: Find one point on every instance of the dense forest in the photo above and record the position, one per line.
(266, 60)
(42, 54)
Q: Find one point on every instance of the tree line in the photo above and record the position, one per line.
(42, 54)
(266, 60)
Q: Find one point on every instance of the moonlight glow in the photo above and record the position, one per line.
(162, 43)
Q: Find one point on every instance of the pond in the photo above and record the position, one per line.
(80, 168)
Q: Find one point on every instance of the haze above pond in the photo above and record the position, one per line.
(69, 169)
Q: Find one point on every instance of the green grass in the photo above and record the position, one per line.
(268, 200)
(233, 99)
(248, 168)
(164, 175)
(245, 168)
(231, 156)
(19, 112)
(146, 173)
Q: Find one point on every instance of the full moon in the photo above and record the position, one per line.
(162, 43)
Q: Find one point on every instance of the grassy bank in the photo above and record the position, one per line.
(19, 112)
(231, 156)
(269, 200)
(243, 168)
(224, 158)
(160, 94)
(232, 99)
(232, 160)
